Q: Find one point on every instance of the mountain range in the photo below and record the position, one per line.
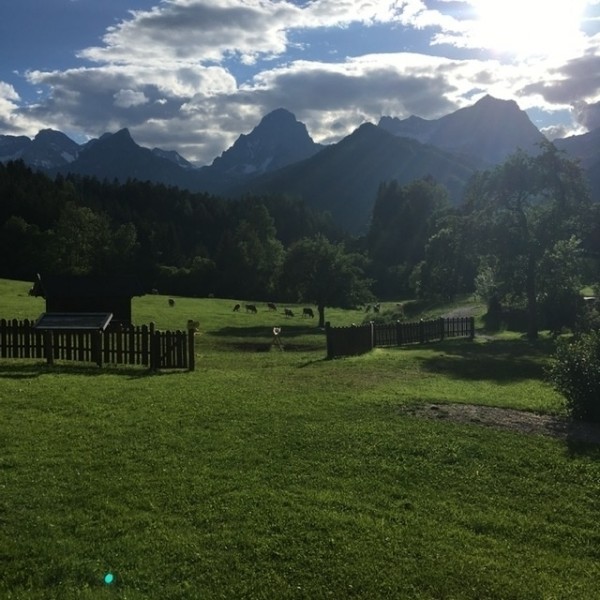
(279, 156)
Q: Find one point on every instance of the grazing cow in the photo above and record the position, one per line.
(193, 325)
(288, 312)
(171, 302)
(251, 308)
(271, 306)
(308, 312)
(236, 308)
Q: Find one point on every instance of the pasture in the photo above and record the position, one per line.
(279, 474)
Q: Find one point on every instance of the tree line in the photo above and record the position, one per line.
(526, 236)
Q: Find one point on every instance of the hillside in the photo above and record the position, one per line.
(343, 178)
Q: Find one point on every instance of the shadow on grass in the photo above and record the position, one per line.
(576, 448)
(36, 369)
(260, 339)
(495, 360)
(265, 331)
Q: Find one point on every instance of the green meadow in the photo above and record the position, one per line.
(272, 474)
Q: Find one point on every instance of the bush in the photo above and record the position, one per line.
(493, 317)
(576, 375)
(589, 317)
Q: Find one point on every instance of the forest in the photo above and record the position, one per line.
(526, 237)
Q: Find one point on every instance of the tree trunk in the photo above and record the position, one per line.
(532, 317)
(321, 309)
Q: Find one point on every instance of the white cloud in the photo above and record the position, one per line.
(129, 98)
(197, 31)
(8, 92)
(12, 121)
(167, 73)
(588, 115)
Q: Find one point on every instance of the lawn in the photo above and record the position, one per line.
(270, 474)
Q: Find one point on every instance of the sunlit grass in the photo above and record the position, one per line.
(280, 474)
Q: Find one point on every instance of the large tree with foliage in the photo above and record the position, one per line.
(521, 215)
(403, 220)
(448, 267)
(325, 274)
(249, 257)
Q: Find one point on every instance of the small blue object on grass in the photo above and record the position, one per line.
(109, 578)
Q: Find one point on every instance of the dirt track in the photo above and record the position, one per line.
(509, 419)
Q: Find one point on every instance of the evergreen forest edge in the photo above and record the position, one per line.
(525, 238)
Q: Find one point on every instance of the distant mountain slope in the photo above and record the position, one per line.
(12, 147)
(344, 178)
(586, 149)
(489, 130)
(117, 156)
(46, 150)
(277, 141)
(279, 156)
(174, 157)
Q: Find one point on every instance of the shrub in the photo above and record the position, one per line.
(576, 375)
(589, 317)
(493, 318)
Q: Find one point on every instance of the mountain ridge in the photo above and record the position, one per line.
(490, 129)
(325, 182)
(279, 157)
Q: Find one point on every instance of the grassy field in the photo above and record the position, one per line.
(269, 474)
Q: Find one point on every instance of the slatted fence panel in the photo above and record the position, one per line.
(141, 345)
(127, 345)
(385, 335)
(460, 327)
(347, 341)
(172, 347)
(18, 339)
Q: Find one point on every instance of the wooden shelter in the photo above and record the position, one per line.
(89, 294)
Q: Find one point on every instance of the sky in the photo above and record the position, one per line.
(192, 75)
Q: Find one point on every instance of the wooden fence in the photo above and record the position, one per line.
(136, 345)
(349, 341)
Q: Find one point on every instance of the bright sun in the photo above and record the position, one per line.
(529, 27)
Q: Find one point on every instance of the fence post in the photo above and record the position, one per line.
(472, 325)
(49, 347)
(421, 331)
(191, 350)
(442, 328)
(372, 325)
(154, 348)
(328, 339)
(96, 347)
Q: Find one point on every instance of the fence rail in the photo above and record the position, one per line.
(135, 345)
(348, 341)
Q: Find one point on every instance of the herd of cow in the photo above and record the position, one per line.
(288, 312)
(251, 308)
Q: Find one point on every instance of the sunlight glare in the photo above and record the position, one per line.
(529, 27)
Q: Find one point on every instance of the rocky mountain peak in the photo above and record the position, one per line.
(277, 141)
(489, 130)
